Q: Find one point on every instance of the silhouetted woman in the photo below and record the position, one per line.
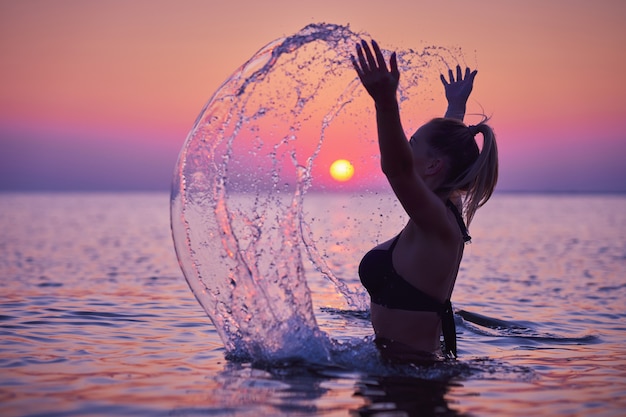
(440, 178)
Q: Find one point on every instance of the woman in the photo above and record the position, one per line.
(436, 175)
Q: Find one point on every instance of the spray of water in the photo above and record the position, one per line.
(242, 178)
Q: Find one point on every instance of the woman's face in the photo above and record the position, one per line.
(422, 155)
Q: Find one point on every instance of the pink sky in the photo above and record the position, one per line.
(101, 95)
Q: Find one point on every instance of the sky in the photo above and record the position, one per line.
(101, 95)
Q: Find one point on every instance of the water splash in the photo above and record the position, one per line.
(238, 196)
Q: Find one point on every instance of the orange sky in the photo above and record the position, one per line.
(87, 86)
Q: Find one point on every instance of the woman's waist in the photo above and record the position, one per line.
(419, 330)
(398, 351)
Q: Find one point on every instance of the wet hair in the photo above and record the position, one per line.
(470, 172)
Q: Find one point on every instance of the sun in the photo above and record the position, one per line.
(341, 170)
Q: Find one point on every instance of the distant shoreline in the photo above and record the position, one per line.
(330, 192)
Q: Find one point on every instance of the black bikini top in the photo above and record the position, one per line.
(388, 289)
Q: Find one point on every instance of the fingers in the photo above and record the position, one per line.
(393, 63)
(469, 76)
(472, 75)
(370, 57)
(379, 55)
(367, 60)
(362, 61)
(356, 67)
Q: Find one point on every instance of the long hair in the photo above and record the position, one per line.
(470, 172)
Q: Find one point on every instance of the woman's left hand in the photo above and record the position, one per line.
(381, 83)
(458, 90)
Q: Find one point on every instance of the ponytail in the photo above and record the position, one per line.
(481, 177)
(471, 172)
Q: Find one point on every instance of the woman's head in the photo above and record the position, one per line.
(465, 168)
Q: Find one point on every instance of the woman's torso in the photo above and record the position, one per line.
(429, 265)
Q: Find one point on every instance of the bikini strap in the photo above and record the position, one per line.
(459, 220)
(393, 244)
(448, 328)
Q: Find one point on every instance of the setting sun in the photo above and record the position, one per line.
(341, 170)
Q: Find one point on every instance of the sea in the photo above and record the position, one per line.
(97, 318)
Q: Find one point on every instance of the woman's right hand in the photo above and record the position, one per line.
(381, 83)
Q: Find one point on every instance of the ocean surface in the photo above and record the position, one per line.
(97, 319)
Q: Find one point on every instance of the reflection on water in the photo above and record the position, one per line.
(408, 396)
(96, 319)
